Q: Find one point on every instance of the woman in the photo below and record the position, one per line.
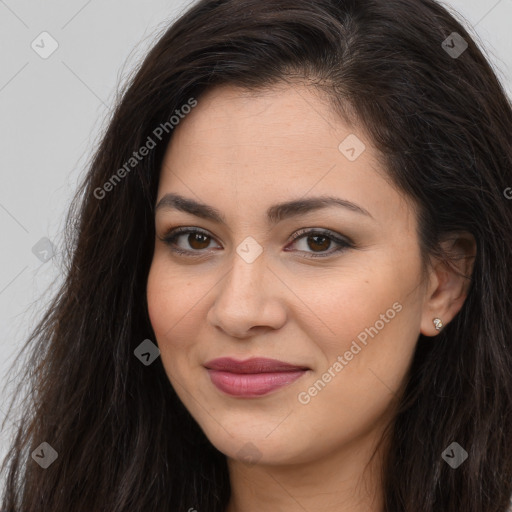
(289, 280)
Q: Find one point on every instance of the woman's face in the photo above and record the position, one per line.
(342, 305)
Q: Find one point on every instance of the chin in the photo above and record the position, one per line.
(260, 445)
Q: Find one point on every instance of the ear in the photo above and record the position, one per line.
(448, 281)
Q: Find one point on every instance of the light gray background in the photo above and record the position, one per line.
(51, 111)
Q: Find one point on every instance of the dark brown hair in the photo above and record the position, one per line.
(443, 126)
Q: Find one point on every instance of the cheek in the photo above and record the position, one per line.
(169, 308)
(176, 310)
(171, 297)
(373, 318)
(358, 305)
(161, 305)
(359, 384)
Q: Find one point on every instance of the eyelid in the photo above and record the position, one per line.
(323, 231)
(343, 242)
(173, 233)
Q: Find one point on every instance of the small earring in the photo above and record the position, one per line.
(438, 324)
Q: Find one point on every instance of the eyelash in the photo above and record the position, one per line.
(171, 236)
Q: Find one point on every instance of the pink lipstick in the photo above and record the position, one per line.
(253, 377)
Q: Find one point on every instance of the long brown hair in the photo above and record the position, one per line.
(443, 126)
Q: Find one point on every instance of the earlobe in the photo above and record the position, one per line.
(449, 282)
(438, 323)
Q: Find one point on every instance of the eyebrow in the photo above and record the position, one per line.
(275, 213)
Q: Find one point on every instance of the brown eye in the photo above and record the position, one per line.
(195, 241)
(315, 242)
(319, 241)
(198, 240)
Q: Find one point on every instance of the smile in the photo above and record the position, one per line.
(252, 378)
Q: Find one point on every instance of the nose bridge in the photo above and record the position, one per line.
(246, 279)
(243, 297)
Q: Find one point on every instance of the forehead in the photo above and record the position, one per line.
(277, 144)
(284, 117)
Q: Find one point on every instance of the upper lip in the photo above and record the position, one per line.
(254, 365)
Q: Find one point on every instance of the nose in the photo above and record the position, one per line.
(249, 299)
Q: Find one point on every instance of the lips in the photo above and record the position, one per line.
(254, 377)
(255, 365)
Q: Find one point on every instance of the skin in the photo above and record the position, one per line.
(241, 152)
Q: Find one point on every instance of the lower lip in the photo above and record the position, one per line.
(252, 384)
